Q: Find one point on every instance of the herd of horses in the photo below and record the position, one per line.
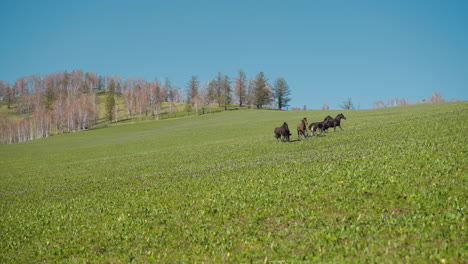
(282, 133)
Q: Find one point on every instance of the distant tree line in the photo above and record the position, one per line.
(54, 103)
(66, 102)
(435, 98)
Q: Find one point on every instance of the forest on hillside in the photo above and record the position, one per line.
(64, 102)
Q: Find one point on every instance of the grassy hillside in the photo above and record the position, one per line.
(390, 188)
(167, 110)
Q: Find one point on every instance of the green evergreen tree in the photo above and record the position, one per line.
(49, 97)
(8, 95)
(212, 85)
(281, 93)
(262, 95)
(101, 83)
(192, 90)
(170, 92)
(110, 102)
(241, 87)
(219, 89)
(226, 91)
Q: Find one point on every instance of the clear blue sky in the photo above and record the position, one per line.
(327, 50)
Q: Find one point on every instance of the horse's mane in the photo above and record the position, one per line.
(339, 116)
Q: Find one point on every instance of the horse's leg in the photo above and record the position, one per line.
(317, 128)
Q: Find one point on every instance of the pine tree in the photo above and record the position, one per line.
(192, 90)
(169, 89)
(110, 102)
(226, 91)
(212, 85)
(219, 89)
(241, 87)
(261, 95)
(101, 83)
(281, 92)
(8, 95)
(49, 97)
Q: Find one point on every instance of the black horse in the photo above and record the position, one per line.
(318, 125)
(336, 122)
(282, 131)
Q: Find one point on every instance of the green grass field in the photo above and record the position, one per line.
(390, 188)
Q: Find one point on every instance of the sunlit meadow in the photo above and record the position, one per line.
(391, 187)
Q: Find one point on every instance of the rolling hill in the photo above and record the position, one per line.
(391, 187)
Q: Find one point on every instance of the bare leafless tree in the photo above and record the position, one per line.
(347, 104)
(128, 95)
(91, 80)
(325, 106)
(21, 86)
(403, 102)
(379, 104)
(436, 98)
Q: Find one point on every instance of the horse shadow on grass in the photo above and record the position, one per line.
(300, 140)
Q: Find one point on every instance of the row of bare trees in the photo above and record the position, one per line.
(65, 102)
(435, 98)
(67, 115)
(51, 104)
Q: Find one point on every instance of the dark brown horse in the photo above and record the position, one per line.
(336, 122)
(313, 127)
(282, 131)
(302, 128)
